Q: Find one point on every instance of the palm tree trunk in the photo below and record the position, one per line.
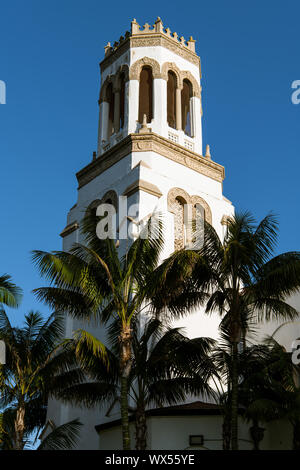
(125, 366)
(234, 397)
(226, 431)
(124, 413)
(20, 427)
(140, 427)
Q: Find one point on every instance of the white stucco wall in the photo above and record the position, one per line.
(172, 433)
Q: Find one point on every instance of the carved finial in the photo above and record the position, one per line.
(191, 44)
(135, 27)
(158, 25)
(168, 32)
(207, 153)
(144, 129)
(146, 28)
(175, 36)
(107, 49)
(182, 40)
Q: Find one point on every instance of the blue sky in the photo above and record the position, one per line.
(49, 57)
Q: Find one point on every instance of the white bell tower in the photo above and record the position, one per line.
(149, 150)
(168, 71)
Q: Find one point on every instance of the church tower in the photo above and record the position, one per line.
(149, 150)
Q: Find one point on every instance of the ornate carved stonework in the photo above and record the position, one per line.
(164, 41)
(150, 142)
(173, 67)
(195, 85)
(136, 67)
(207, 211)
(177, 198)
(176, 193)
(179, 193)
(150, 40)
(179, 235)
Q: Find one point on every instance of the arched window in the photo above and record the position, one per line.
(145, 95)
(179, 228)
(122, 100)
(171, 99)
(186, 95)
(111, 110)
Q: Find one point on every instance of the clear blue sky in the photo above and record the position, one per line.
(49, 55)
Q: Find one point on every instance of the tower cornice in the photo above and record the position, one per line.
(151, 142)
(147, 37)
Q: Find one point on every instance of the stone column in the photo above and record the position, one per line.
(196, 124)
(133, 108)
(178, 109)
(159, 123)
(117, 111)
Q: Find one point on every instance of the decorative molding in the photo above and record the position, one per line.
(185, 74)
(141, 185)
(155, 143)
(179, 193)
(226, 219)
(156, 36)
(171, 66)
(69, 229)
(136, 67)
(151, 40)
(164, 41)
(103, 92)
(207, 210)
(175, 193)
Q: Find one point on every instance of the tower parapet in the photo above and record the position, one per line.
(150, 71)
(157, 30)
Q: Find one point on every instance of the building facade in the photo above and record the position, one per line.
(150, 155)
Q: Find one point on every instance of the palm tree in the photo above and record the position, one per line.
(92, 281)
(166, 368)
(240, 279)
(10, 294)
(270, 387)
(36, 365)
(62, 437)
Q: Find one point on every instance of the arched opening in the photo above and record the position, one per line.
(179, 228)
(122, 100)
(111, 109)
(145, 94)
(171, 99)
(186, 119)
